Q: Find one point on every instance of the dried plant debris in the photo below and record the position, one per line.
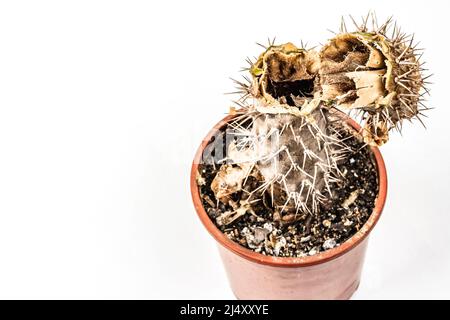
(285, 74)
(374, 70)
(272, 227)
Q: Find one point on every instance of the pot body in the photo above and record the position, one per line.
(334, 279)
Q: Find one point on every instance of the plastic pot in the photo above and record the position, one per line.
(332, 274)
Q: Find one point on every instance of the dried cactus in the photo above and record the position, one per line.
(285, 75)
(294, 157)
(375, 71)
(288, 139)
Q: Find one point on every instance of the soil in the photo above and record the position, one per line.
(352, 203)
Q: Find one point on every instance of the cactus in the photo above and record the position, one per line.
(376, 71)
(289, 138)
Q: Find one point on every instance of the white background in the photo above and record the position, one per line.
(102, 105)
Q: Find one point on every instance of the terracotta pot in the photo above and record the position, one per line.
(332, 274)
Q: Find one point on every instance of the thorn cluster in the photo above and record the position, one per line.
(374, 70)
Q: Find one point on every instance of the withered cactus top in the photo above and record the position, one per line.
(375, 71)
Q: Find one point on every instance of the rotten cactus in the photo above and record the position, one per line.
(289, 135)
(377, 72)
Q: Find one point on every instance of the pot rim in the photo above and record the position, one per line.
(259, 258)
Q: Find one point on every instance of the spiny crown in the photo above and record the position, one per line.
(376, 72)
